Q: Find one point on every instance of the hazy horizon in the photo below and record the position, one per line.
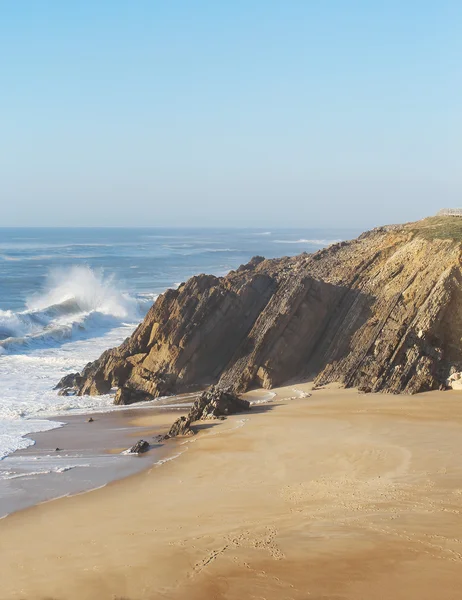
(257, 228)
(245, 114)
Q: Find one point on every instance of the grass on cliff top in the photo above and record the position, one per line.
(443, 228)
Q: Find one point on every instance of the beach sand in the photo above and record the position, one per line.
(334, 496)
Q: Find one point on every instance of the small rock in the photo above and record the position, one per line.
(57, 449)
(66, 392)
(91, 420)
(69, 381)
(182, 426)
(364, 389)
(140, 447)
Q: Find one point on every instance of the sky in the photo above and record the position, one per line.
(229, 113)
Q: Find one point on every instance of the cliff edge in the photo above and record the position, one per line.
(382, 312)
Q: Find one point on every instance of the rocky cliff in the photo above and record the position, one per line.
(382, 312)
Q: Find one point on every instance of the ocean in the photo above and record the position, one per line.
(66, 295)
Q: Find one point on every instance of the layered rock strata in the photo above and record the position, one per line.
(382, 312)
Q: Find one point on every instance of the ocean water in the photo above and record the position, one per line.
(66, 295)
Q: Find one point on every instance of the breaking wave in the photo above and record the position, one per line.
(75, 302)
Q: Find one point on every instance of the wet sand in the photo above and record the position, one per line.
(82, 456)
(334, 496)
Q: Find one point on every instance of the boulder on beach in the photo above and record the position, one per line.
(140, 447)
(214, 403)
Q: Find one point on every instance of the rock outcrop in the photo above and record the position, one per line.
(140, 447)
(214, 403)
(382, 312)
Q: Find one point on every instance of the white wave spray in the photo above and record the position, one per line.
(88, 289)
(74, 301)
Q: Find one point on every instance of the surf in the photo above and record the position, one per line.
(75, 302)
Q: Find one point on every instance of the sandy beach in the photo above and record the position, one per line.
(334, 496)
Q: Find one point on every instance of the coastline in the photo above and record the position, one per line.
(91, 455)
(339, 495)
(80, 456)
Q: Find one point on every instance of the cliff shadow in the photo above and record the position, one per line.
(262, 408)
(298, 344)
(198, 428)
(254, 410)
(344, 319)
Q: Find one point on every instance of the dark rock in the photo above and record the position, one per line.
(91, 420)
(140, 447)
(69, 381)
(67, 392)
(364, 389)
(214, 403)
(182, 426)
(126, 396)
(57, 449)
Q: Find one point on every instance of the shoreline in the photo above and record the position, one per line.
(153, 420)
(91, 455)
(79, 456)
(336, 495)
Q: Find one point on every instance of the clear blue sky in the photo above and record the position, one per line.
(233, 112)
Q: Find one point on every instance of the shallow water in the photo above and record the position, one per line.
(83, 456)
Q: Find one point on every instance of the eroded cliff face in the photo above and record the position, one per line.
(382, 312)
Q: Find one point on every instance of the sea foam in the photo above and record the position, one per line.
(77, 315)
